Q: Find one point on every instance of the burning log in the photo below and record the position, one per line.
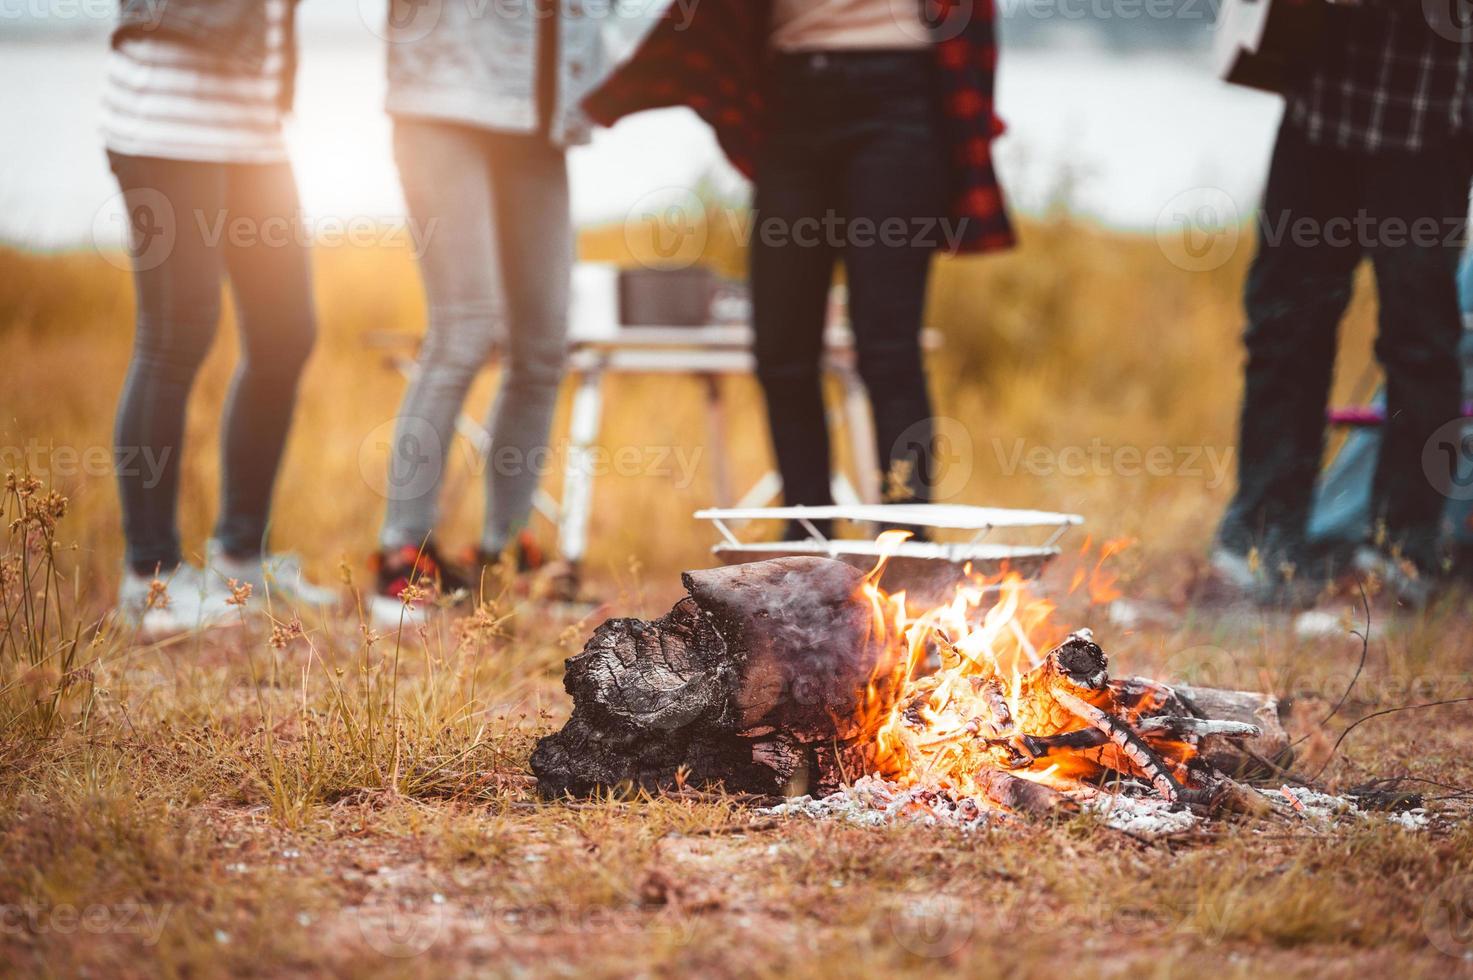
(799, 673)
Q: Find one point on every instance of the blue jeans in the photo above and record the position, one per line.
(496, 265)
(195, 225)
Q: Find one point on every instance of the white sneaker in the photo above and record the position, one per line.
(185, 600)
(280, 574)
(388, 613)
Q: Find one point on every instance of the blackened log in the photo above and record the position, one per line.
(760, 675)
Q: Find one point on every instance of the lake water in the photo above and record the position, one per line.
(1116, 136)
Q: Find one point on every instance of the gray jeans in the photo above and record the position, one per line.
(496, 267)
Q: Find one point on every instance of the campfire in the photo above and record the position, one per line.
(804, 675)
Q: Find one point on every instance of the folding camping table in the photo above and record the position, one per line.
(708, 353)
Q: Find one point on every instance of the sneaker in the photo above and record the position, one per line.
(185, 600)
(397, 569)
(279, 575)
(1277, 584)
(482, 566)
(1411, 584)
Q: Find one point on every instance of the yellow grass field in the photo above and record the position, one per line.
(1065, 363)
(303, 796)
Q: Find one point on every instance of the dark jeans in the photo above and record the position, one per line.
(854, 170)
(193, 225)
(1324, 210)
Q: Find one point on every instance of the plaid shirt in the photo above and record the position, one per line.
(1384, 81)
(712, 57)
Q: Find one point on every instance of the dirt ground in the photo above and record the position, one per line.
(303, 796)
(232, 805)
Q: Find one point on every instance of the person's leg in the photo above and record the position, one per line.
(894, 182)
(445, 170)
(534, 230)
(791, 268)
(177, 275)
(270, 278)
(1297, 290)
(1418, 204)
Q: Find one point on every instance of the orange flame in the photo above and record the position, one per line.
(948, 704)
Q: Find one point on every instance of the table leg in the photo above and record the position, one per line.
(716, 437)
(861, 429)
(587, 417)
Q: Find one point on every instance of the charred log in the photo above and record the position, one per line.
(760, 676)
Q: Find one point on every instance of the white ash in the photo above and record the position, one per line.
(1315, 807)
(1147, 816)
(873, 801)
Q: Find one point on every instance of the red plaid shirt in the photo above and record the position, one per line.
(711, 56)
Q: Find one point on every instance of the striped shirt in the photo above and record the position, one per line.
(166, 98)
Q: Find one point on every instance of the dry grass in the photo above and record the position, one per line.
(335, 801)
